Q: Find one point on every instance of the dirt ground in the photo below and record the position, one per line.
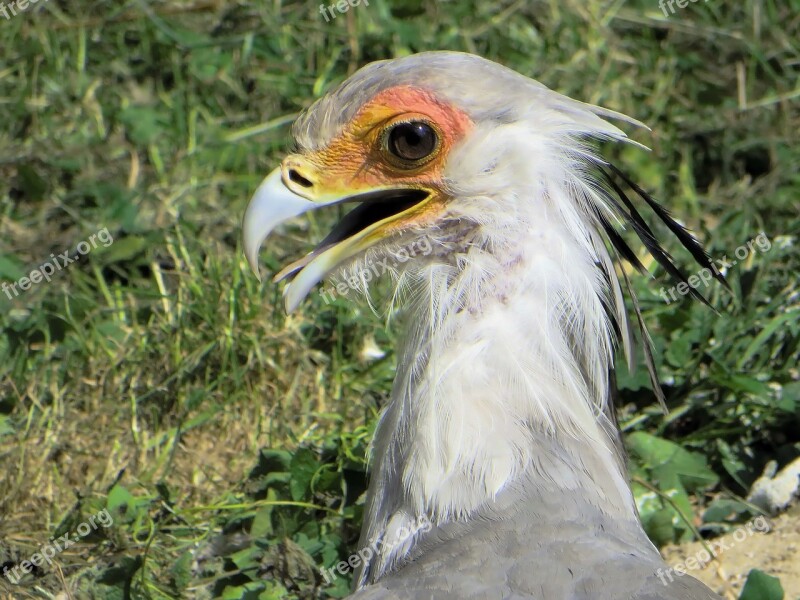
(775, 549)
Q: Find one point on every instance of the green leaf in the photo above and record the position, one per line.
(144, 124)
(121, 502)
(791, 391)
(207, 63)
(339, 587)
(724, 510)
(249, 591)
(10, 268)
(111, 330)
(638, 380)
(670, 463)
(303, 467)
(270, 461)
(5, 426)
(742, 383)
(679, 350)
(125, 249)
(31, 183)
(115, 592)
(273, 591)
(248, 559)
(659, 526)
(732, 463)
(122, 572)
(676, 472)
(764, 335)
(182, 572)
(262, 523)
(790, 397)
(330, 549)
(760, 586)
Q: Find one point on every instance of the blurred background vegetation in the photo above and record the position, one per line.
(156, 378)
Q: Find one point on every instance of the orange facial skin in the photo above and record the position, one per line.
(356, 160)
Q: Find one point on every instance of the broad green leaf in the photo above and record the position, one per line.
(273, 591)
(182, 571)
(121, 502)
(248, 559)
(761, 586)
(122, 571)
(262, 523)
(675, 471)
(249, 591)
(12, 270)
(303, 467)
(724, 509)
(671, 463)
(659, 526)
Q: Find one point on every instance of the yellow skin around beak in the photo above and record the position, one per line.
(275, 202)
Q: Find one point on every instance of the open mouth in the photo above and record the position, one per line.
(375, 207)
(379, 214)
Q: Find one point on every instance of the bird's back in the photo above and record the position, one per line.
(540, 559)
(535, 543)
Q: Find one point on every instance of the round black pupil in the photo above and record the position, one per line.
(412, 141)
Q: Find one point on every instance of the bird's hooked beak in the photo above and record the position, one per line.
(286, 193)
(272, 204)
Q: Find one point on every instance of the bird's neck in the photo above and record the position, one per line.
(504, 376)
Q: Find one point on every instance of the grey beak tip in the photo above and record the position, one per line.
(271, 204)
(252, 261)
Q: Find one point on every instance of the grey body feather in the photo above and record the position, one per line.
(536, 546)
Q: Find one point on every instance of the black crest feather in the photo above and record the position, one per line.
(624, 207)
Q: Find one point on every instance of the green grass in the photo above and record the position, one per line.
(158, 379)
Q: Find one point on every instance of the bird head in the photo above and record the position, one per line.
(390, 159)
(444, 147)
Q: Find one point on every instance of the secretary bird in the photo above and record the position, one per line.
(500, 434)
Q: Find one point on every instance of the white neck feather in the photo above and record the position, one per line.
(510, 345)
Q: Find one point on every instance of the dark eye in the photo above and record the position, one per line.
(412, 141)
